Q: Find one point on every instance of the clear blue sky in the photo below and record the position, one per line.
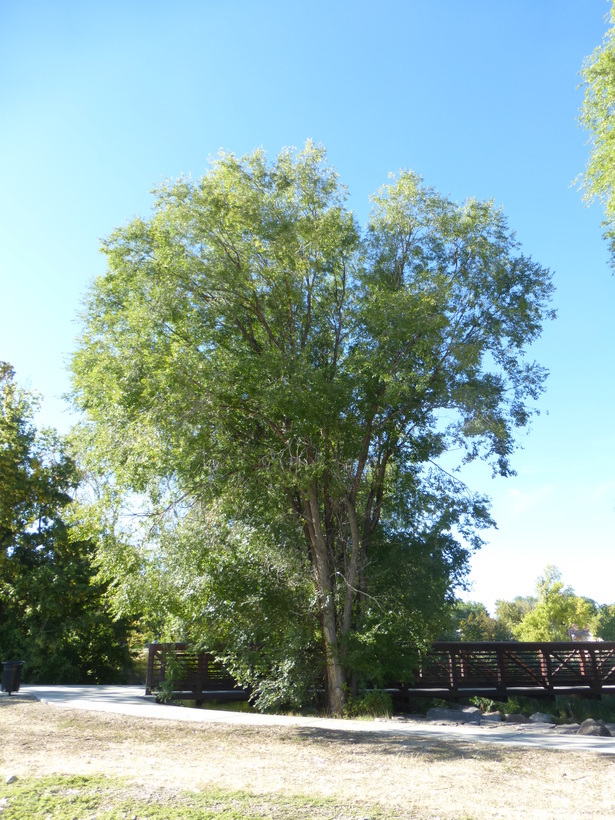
(100, 101)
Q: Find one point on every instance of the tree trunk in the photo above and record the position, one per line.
(352, 574)
(336, 696)
(336, 679)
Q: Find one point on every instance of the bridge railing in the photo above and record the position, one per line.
(192, 675)
(460, 667)
(449, 669)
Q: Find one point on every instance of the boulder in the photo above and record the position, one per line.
(567, 728)
(593, 727)
(491, 717)
(467, 714)
(541, 717)
(516, 718)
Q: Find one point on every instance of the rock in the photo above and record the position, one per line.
(469, 714)
(593, 727)
(491, 717)
(440, 713)
(11, 778)
(567, 728)
(473, 714)
(541, 717)
(516, 718)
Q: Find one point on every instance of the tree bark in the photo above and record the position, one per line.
(352, 575)
(335, 673)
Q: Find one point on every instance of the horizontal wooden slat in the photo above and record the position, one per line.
(195, 674)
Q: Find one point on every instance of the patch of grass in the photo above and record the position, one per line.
(68, 797)
(226, 706)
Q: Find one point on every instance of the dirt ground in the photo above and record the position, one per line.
(409, 777)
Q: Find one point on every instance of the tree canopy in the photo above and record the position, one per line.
(252, 354)
(597, 117)
(53, 612)
(557, 610)
(470, 621)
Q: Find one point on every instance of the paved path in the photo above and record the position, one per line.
(130, 700)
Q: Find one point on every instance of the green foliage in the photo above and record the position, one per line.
(484, 704)
(557, 610)
(257, 609)
(602, 624)
(509, 614)
(470, 621)
(236, 592)
(250, 348)
(564, 708)
(597, 117)
(372, 703)
(53, 614)
(165, 689)
(569, 709)
(408, 604)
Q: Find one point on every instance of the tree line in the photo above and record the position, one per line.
(555, 613)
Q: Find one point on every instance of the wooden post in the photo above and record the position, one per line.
(454, 673)
(546, 669)
(596, 682)
(500, 657)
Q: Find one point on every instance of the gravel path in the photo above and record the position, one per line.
(130, 700)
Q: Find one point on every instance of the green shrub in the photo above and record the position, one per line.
(370, 703)
(164, 690)
(570, 708)
(485, 704)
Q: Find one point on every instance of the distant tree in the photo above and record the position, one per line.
(251, 347)
(509, 614)
(470, 621)
(597, 116)
(602, 624)
(477, 625)
(53, 612)
(557, 610)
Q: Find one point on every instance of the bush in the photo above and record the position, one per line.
(371, 703)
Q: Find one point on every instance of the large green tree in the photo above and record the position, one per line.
(53, 612)
(597, 117)
(251, 345)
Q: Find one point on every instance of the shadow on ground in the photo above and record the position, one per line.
(439, 749)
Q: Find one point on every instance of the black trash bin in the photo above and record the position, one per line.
(11, 675)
